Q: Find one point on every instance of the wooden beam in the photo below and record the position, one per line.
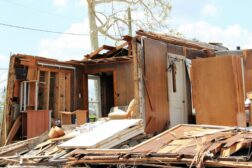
(135, 77)
(62, 93)
(13, 130)
(180, 41)
(46, 90)
(56, 97)
(68, 91)
(7, 106)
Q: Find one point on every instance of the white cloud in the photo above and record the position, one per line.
(209, 9)
(66, 47)
(81, 3)
(60, 3)
(64, 3)
(231, 36)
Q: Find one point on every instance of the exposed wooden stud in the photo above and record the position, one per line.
(13, 130)
(135, 77)
(62, 92)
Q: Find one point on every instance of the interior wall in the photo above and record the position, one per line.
(248, 70)
(156, 94)
(107, 94)
(123, 80)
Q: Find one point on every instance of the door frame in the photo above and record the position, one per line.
(181, 58)
(92, 72)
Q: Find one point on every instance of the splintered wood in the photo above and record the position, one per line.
(183, 146)
(52, 152)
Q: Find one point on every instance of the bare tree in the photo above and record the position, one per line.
(114, 18)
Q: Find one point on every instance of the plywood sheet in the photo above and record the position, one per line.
(37, 122)
(81, 116)
(248, 70)
(217, 90)
(99, 133)
(156, 88)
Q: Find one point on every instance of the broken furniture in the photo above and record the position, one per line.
(117, 113)
(35, 122)
(66, 117)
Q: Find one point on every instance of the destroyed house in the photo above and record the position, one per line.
(172, 80)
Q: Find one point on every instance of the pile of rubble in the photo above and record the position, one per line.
(123, 142)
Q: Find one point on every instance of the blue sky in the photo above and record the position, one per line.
(206, 20)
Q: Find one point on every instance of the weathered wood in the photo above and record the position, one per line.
(217, 91)
(135, 77)
(81, 117)
(37, 122)
(6, 123)
(56, 97)
(62, 92)
(156, 87)
(46, 91)
(68, 91)
(13, 130)
(66, 117)
(181, 42)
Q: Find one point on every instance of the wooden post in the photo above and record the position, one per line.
(46, 91)
(135, 77)
(56, 97)
(7, 110)
(68, 91)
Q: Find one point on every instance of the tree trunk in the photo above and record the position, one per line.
(93, 31)
(129, 22)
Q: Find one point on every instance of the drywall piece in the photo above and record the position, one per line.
(99, 134)
(217, 91)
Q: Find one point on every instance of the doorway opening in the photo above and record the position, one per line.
(100, 94)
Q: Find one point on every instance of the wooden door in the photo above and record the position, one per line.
(217, 90)
(176, 75)
(155, 86)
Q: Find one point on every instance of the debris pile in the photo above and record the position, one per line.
(183, 146)
(51, 152)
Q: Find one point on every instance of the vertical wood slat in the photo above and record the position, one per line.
(62, 80)
(248, 76)
(56, 97)
(46, 90)
(68, 91)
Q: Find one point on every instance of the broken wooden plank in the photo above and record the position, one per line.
(13, 130)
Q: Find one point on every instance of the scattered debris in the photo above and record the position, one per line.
(182, 146)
